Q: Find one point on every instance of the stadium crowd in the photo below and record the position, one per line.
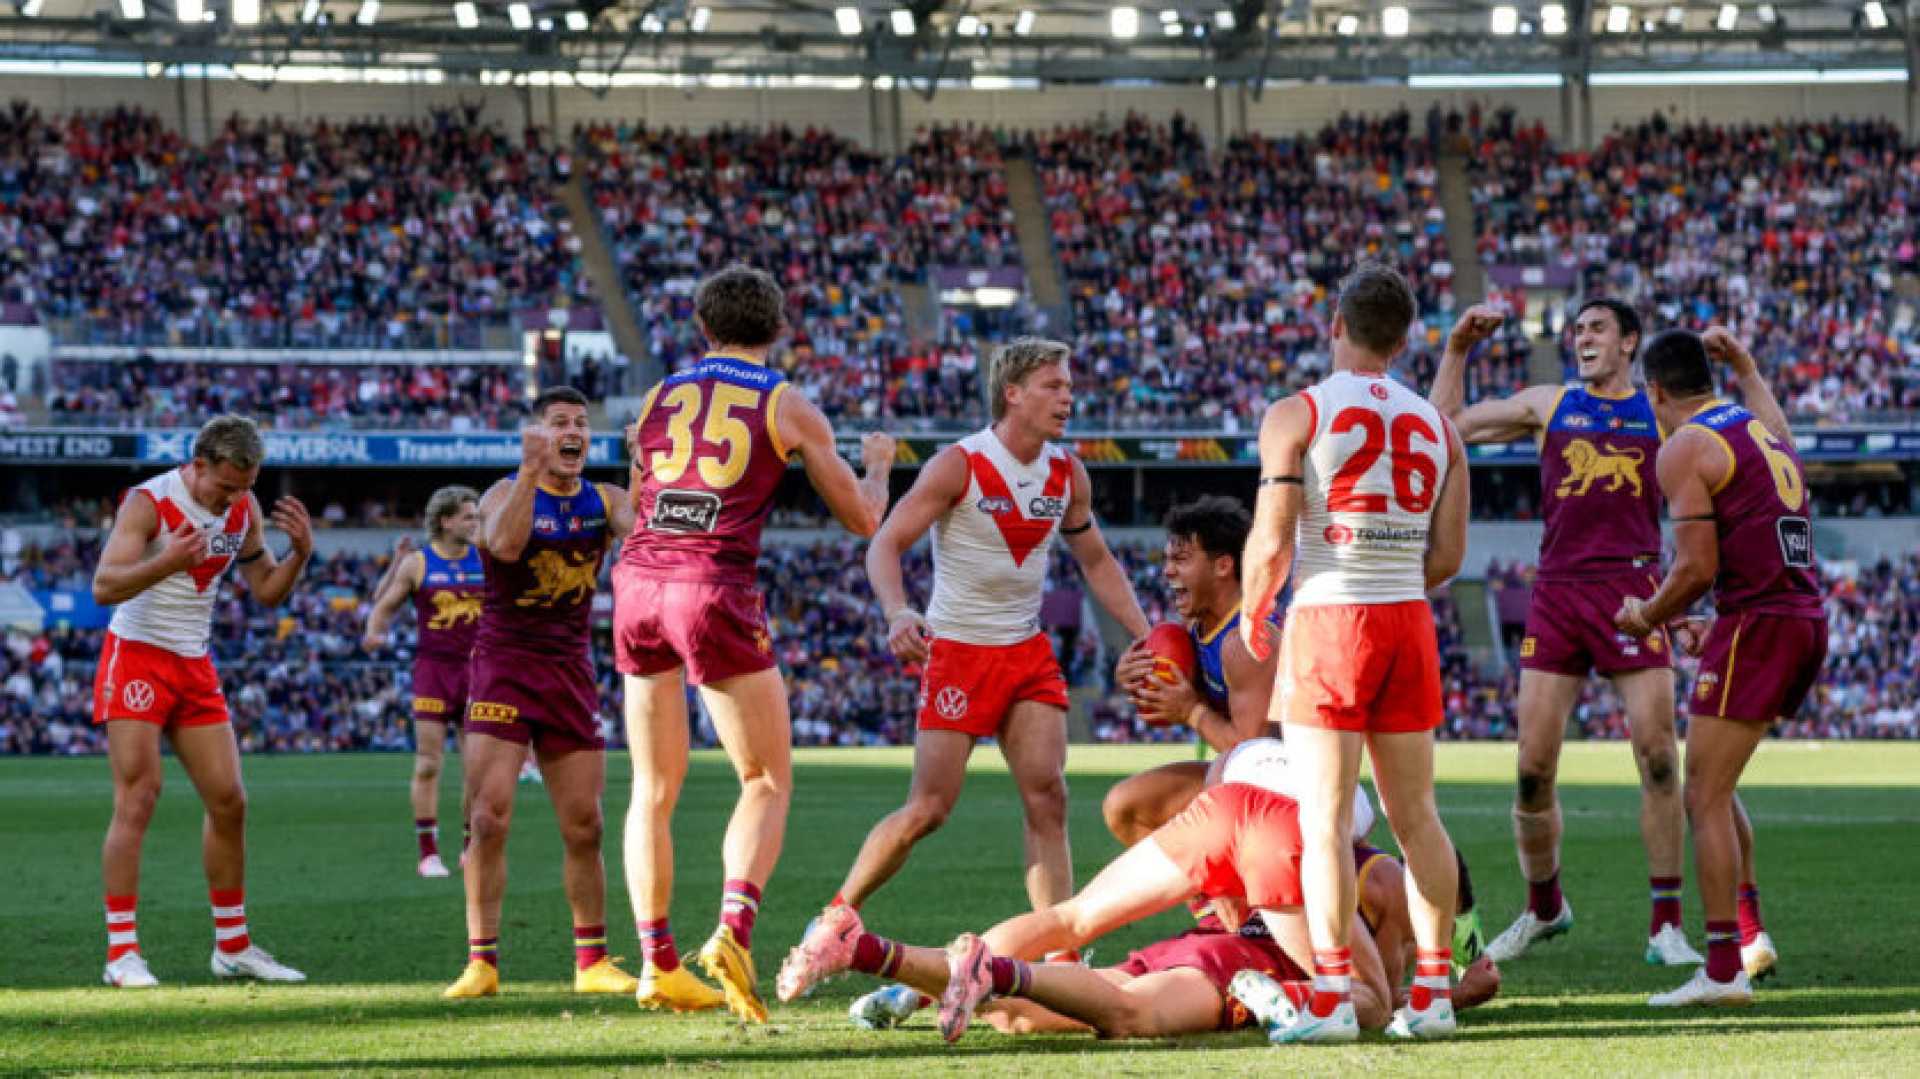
(1793, 234)
(297, 680)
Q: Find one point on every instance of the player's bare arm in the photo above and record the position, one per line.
(1105, 579)
(1501, 420)
(124, 570)
(1447, 535)
(859, 503)
(1249, 692)
(1691, 464)
(1264, 566)
(270, 577)
(402, 579)
(1725, 349)
(506, 510)
(620, 511)
(939, 485)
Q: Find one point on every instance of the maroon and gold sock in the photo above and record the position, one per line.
(426, 832)
(1544, 898)
(1011, 977)
(739, 906)
(485, 949)
(1723, 950)
(656, 945)
(877, 956)
(1666, 903)
(589, 945)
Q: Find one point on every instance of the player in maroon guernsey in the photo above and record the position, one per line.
(445, 580)
(1740, 509)
(710, 447)
(531, 686)
(1601, 504)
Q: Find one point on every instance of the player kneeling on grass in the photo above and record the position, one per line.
(1237, 845)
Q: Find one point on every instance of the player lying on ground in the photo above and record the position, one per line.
(1237, 845)
(175, 537)
(688, 611)
(445, 581)
(1598, 438)
(1739, 504)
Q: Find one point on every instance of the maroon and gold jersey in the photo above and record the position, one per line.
(1760, 512)
(1598, 493)
(446, 605)
(543, 602)
(708, 459)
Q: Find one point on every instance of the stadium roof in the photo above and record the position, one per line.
(985, 43)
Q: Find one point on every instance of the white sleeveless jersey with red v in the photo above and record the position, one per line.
(990, 549)
(177, 612)
(1373, 471)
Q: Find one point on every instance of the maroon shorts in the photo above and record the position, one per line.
(539, 699)
(1570, 628)
(1758, 667)
(439, 689)
(716, 631)
(1219, 955)
(970, 688)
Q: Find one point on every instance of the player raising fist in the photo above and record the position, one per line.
(175, 537)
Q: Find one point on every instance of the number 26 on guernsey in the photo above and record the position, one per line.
(1408, 463)
(721, 430)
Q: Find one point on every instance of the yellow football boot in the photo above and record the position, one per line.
(676, 990)
(731, 965)
(604, 977)
(480, 979)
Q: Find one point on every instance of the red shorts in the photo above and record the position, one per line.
(716, 631)
(439, 689)
(1570, 628)
(1219, 955)
(970, 687)
(1758, 667)
(1237, 841)
(1368, 667)
(148, 683)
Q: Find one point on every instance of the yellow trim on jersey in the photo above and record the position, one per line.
(1360, 887)
(1540, 436)
(1627, 396)
(1733, 463)
(1733, 654)
(562, 494)
(773, 420)
(1215, 633)
(723, 354)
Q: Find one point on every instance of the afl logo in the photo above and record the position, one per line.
(950, 703)
(994, 504)
(1338, 535)
(138, 696)
(1378, 391)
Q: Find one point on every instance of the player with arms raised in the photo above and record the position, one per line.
(446, 581)
(710, 448)
(1374, 481)
(1739, 505)
(531, 686)
(994, 500)
(1601, 504)
(174, 539)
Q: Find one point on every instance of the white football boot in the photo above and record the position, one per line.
(1759, 957)
(1528, 930)
(129, 972)
(1702, 990)
(253, 963)
(1669, 948)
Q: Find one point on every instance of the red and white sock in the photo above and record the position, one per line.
(230, 919)
(122, 938)
(1432, 978)
(1332, 980)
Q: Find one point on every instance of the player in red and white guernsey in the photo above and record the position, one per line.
(995, 501)
(174, 539)
(1374, 482)
(1739, 505)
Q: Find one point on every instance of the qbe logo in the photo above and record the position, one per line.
(950, 703)
(138, 696)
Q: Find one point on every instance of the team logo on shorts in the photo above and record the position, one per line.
(950, 703)
(1704, 688)
(1527, 647)
(138, 696)
(1657, 642)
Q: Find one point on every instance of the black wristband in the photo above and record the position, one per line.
(254, 557)
(1691, 520)
(1077, 531)
(1275, 481)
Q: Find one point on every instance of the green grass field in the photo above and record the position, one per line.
(332, 891)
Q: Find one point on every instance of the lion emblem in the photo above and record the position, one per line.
(1586, 464)
(560, 580)
(451, 609)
